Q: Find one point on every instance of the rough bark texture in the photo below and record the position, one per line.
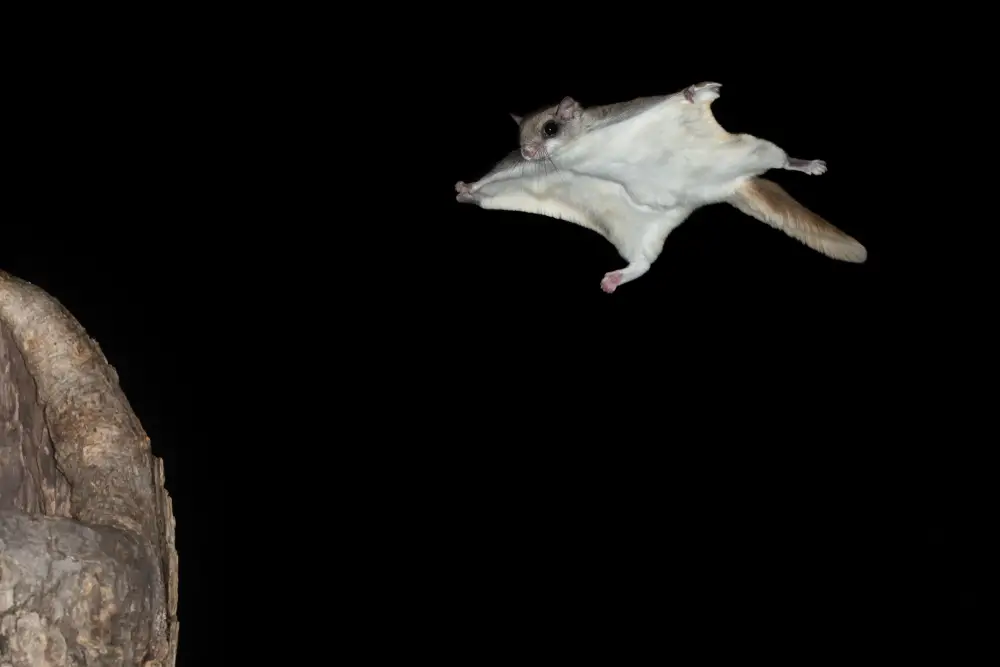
(88, 565)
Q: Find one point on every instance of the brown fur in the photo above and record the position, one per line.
(768, 202)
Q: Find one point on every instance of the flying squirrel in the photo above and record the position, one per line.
(634, 171)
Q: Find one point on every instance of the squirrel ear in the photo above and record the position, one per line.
(568, 108)
(517, 119)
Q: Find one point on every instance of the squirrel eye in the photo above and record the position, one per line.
(550, 128)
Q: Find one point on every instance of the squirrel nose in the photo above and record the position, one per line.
(529, 151)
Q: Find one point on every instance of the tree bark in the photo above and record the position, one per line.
(88, 564)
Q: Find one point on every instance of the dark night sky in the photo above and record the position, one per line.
(762, 422)
(750, 429)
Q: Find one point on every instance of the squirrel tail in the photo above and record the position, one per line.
(768, 202)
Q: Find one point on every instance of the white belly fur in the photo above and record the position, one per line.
(675, 154)
(596, 204)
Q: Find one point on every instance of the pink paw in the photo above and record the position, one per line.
(464, 195)
(706, 91)
(611, 281)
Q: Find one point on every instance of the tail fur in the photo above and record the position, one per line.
(768, 202)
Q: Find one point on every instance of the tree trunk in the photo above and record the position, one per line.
(88, 565)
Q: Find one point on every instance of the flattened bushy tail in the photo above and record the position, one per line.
(768, 202)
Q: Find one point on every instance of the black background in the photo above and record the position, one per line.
(750, 442)
(751, 436)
